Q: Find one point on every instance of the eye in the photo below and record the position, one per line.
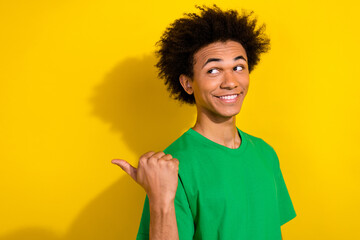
(238, 68)
(213, 71)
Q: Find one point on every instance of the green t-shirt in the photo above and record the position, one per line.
(224, 193)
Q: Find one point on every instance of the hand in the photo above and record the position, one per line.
(157, 173)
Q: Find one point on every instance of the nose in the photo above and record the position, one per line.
(229, 81)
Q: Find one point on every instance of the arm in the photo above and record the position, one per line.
(163, 222)
(157, 173)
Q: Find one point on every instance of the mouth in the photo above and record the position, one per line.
(229, 98)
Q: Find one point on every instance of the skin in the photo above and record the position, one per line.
(220, 69)
(157, 173)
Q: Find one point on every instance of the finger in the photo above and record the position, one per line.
(166, 157)
(126, 167)
(157, 155)
(147, 155)
(176, 161)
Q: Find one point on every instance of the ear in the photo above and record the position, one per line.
(186, 83)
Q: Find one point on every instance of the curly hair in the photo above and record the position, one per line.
(187, 35)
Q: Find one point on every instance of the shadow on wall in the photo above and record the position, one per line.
(137, 106)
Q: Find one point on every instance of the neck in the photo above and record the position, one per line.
(218, 129)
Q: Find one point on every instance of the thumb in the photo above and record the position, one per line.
(126, 167)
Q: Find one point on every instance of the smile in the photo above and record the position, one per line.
(228, 96)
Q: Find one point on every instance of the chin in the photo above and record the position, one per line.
(229, 114)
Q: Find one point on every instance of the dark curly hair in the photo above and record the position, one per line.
(185, 36)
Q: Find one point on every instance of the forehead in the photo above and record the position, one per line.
(220, 50)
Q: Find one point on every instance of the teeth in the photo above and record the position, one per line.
(228, 97)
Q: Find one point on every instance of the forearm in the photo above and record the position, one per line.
(163, 222)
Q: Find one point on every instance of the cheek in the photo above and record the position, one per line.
(210, 88)
(245, 82)
(205, 85)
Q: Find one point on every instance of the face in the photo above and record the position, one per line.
(221, 79)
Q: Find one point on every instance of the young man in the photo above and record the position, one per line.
(215, 181)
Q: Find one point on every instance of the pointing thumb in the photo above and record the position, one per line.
(126, 167)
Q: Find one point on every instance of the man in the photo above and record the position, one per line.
(215, 181)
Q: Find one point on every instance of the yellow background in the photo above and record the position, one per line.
(78, 88)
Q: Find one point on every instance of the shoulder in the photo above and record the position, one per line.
(260, 145)
(256, 141)
(180, 146)
(263, 149)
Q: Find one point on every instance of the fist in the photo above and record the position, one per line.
(157, 173)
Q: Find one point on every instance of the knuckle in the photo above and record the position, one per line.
(152, 161)
(162, 162)
(166, 157)
(147, 154)
(176, 164)
(160, 154)
(142, 161)
(173, 164)
(157, 155)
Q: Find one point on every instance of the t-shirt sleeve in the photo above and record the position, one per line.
(286, 208)
(184, 217)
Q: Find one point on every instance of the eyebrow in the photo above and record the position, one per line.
(219, 60)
